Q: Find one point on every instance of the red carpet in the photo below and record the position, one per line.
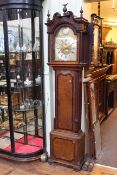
(24, 149)
(34, 144)
(3, 134)
(32, 140)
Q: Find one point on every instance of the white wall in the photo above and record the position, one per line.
(49, 114)
(87, 11)
(74, 6)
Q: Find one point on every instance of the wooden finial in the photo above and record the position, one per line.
(81, 13)
(48, 15)
(65, 8)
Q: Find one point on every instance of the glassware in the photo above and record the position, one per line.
(27, 103)
(22, 106)
(38, 80)
(27, 82)
(11, 40)
(17, 47)
(36, 47)
(24, 48)
(29, 46)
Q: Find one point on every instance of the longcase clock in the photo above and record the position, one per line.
(68, 54)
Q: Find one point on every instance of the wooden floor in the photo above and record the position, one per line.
(38, 168)
(108, 155)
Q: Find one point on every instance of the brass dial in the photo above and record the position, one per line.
(65, 45)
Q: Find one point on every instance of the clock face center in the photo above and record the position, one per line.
(66, 45)
(65, 49)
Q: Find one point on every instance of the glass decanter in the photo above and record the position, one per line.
(36, 46)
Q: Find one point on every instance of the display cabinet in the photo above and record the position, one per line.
(111, 93)
(109, 58)
(21, 80)
(95, 87)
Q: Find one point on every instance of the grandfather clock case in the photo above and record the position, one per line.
(68, 55)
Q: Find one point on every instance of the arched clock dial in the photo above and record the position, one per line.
(65, 45)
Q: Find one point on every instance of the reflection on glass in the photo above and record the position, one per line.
(1, 45)
(1, 36)
(38, 79)
(17, 47)
(29, 46)
(25, 81)
(4, 116)
(36, 45)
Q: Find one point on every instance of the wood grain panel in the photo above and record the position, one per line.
(60, 151)
(65, 101)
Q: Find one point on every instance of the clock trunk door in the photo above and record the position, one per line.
(65, 100)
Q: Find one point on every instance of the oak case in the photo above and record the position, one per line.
(67, 139)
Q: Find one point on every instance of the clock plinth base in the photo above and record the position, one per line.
(67, 148)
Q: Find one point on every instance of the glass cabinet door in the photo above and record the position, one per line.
(21, 102)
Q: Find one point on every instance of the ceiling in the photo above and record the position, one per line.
(94, 0)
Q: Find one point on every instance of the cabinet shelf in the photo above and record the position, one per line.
(15, 52)
(18, 109)
(4, 84)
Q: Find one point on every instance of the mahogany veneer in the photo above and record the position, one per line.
(67, 139)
